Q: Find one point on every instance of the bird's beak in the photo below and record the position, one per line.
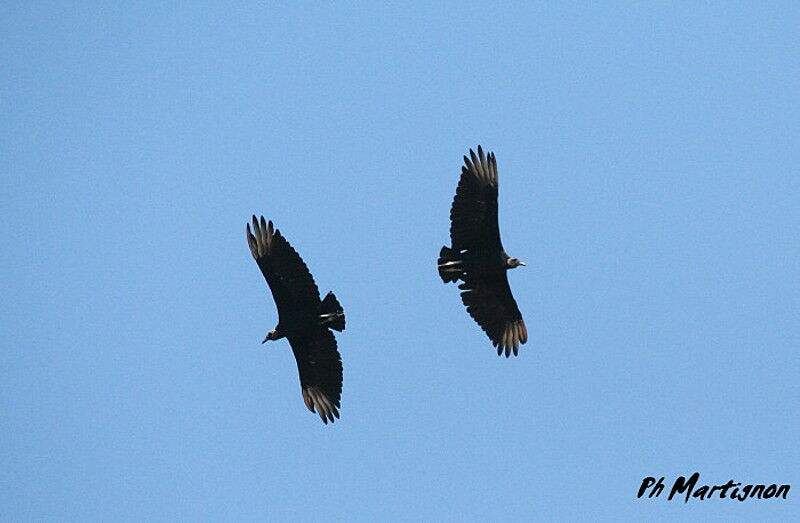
(523, 264)
(265, 340)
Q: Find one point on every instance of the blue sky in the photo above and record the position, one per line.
(648, 161)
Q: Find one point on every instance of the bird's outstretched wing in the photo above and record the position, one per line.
(491, 305)
(320, 368)
(291, 283)
(473, 215)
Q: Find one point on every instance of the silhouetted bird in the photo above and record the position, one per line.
(477, 256)
(302, 318)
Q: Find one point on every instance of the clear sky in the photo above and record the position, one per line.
(648, 161)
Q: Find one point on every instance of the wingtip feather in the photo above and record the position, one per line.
(318, 403)
(469, 168)
(476, 162)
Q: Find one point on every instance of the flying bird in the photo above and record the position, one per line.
(303, 318)
(476, 256)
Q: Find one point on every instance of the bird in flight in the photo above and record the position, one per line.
(476, 256)
(303, 318)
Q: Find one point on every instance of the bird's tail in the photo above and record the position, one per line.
(449, 265)
(331, 313)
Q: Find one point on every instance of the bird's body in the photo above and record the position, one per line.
(296, 322)
(482, 262)
(303, 318)
(477, 258)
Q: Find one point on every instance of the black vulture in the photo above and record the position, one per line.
(303, 318)
(477, 257)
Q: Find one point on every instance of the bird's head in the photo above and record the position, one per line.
(514, 262)
(271, 335)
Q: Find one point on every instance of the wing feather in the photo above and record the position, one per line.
(320, 368)
(473, 214)
(490, 303)
(293, 288)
